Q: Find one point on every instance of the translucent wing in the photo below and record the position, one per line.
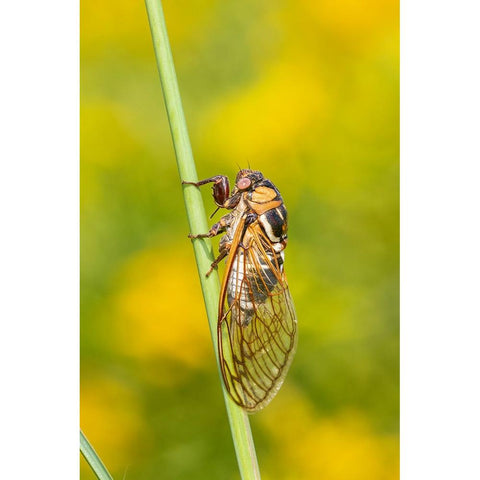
(257, 325)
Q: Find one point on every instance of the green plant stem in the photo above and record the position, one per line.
(93, 459)
(239, 424)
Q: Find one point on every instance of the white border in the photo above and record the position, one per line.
(39, 239)
(440, 240)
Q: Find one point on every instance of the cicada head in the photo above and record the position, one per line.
(247, 180)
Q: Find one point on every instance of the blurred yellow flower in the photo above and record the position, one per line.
(354, 21)
(269, 117)
(158, 309)
(338, 447)
(106, 24)
(111, 418)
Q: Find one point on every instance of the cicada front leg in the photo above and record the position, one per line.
(221, 188)
(221, 193)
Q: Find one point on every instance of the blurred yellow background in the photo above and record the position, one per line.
(307, 92)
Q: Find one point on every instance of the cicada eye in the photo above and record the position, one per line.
(244, 183)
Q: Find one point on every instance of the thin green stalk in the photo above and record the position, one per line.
(93, 459)
(239, 424)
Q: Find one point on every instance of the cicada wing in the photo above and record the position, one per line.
(257, 327)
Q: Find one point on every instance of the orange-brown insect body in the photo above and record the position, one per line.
(257, 326)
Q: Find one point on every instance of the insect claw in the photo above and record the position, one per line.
(212, 268)
(200, 235)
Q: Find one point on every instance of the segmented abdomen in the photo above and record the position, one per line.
(251, 281)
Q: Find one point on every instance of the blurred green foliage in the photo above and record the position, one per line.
(307, 92)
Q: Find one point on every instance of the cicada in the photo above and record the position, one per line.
(257, 324)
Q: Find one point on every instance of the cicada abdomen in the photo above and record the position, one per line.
(252, 280)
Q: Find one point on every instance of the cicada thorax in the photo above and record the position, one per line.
(265, 200)
(258, 264)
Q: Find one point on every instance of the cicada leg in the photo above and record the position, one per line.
(221, 188)
(216, 229)
(215, 263)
